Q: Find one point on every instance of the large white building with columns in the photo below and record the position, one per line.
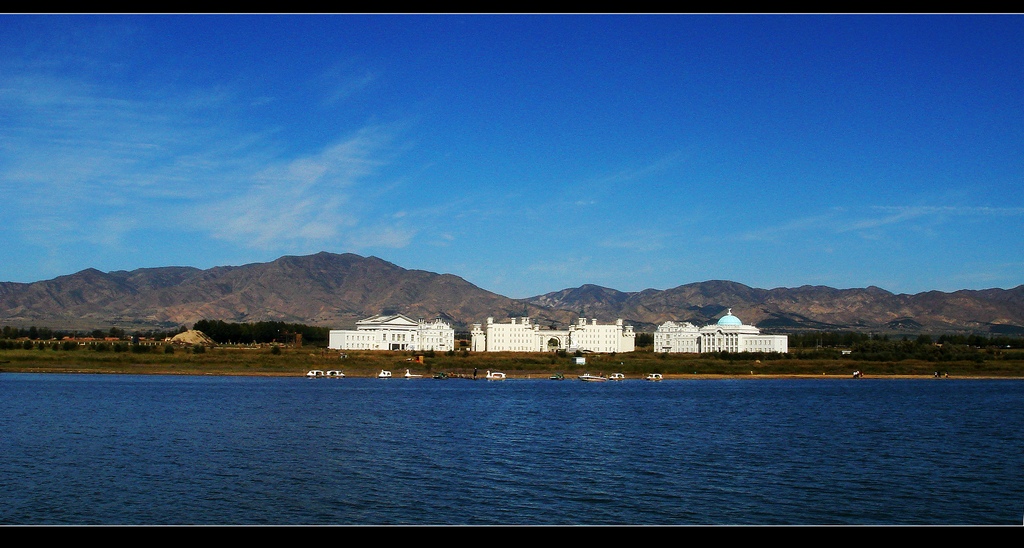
(522, 335)
(394, 332)
(729, 334)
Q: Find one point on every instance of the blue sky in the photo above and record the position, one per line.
(524, 153)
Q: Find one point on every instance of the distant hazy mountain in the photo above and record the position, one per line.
(335, 290)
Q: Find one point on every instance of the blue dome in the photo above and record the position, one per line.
(729, 319)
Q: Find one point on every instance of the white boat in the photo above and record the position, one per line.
(409, 375)
(384, 374)
(315, 373)
(654, 377)
(592, 378)
(335, 374)
(617, 377)
(495, 376)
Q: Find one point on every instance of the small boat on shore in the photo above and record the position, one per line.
(557, 377)
(617, 377)
(653, 377)
(314, 374)
(592, 378)
(409, 375)
(384, 374)
(335, 374)
(495, 376)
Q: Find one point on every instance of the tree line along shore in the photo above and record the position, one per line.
(279, 348)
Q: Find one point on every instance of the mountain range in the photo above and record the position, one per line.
(336, 290)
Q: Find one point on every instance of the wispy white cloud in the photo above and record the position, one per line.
(105, 164)
(443, 239)
(599, 189)
(778, 231)
(901, 213)
(74, 138)
(110, 232)
(630, 175)
(342, 85)
(926, 220)
(871, 221)
(302, 200)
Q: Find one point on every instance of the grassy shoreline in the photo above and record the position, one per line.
(295, 362)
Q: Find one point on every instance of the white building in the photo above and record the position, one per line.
(677, 337)
(728, 335)
(521, 335)
(593, 337)
(394, 332)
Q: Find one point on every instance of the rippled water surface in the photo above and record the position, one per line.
(122, 449)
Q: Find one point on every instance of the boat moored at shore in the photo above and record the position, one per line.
(592, 378)
(617, 377)
(495, 376)
(653, 377)
(384, 374)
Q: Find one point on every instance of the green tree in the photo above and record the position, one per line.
(644, 339)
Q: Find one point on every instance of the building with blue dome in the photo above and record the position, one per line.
(728, 334)
(729, 319)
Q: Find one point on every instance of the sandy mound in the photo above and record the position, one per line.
(193, 337)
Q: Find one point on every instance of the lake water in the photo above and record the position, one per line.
(126, 449)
